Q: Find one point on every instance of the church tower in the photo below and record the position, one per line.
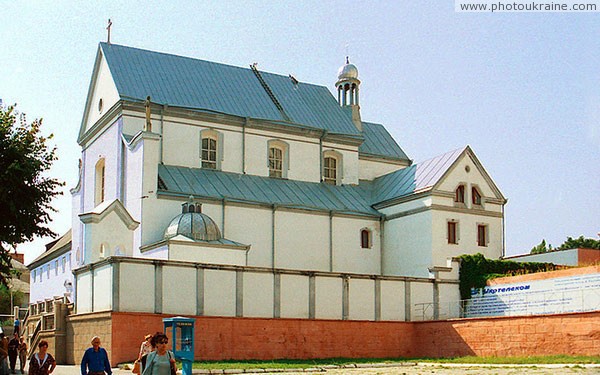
(347, 90)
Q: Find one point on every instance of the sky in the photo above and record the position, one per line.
(522, 89)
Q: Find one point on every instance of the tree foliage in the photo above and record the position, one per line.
(5, 297)
(25, 192)
(570, 243)
(476, 270)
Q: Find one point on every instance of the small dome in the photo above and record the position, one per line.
(348, 71)
(194, 225)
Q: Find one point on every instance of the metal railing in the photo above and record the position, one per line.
(530, 303)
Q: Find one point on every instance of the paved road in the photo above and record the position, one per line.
(421, 369)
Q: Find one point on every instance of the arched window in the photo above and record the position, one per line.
(100, 182)
(365, 239)
(476, 196)
(459, 194)
(211, 149)
(277, 158)
(332, 167)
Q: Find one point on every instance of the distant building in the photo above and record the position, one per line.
(569, 257)
(20, 283)
(50, 273)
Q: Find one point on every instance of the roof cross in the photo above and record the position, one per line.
(108, 28)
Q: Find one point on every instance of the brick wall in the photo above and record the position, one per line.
(252, 338)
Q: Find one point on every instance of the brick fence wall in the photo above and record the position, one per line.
(256, 338)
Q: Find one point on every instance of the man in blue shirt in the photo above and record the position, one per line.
(95, 360)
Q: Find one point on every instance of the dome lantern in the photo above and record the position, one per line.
(347, 84)
(193, 224)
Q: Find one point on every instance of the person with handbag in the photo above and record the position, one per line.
(145, 349)
(161, 361)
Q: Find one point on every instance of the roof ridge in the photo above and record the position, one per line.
(270, 92)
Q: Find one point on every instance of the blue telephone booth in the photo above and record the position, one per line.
(182, 338)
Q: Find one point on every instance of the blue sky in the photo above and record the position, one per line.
(522, 89)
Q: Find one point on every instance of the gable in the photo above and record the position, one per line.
(102, 90)
(468, 170)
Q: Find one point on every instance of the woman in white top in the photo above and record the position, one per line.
(160, 361)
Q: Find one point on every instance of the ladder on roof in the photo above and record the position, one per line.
(269, 92)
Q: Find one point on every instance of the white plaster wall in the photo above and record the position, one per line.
(134, 122)
(103, 288)
(301, 241)
(149, 208)
(304, 159)
(421, 293)
(408, 245)
(194, 252)
(258, 294)
(106, 146)
(111, 232)
(361, 299)
(84, 290)
(294, 296)
(348, 255)
(133, 191)
(219, 293)
(157, 217)
(251, 226)
(392, 300)
(161, 252)
(136, 288)
(52, 284)
(449, 301)
(104, 88)
(179, 290)
(369, 169)
(328, 298)
(467, 236)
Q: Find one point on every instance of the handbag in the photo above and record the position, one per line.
(136, 367)
(173, 365)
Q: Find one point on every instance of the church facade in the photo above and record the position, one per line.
(281, 202)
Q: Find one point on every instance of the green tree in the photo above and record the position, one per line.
(5, 298)
(588, 243)
(541, 248)
(25, 192)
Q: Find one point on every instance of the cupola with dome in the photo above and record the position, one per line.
(193, 224)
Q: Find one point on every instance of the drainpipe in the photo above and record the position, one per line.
(273, 236)
(223, 216)
(381, 244)
(503, 235)
(321, 155)
(330, 241)
(246, 120)
(160, 144)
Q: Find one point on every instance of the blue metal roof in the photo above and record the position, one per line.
(352, 199)
(414, 179)
(264, 190)
(203, 85)
(379, 142)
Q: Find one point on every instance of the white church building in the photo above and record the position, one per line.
(235, 192)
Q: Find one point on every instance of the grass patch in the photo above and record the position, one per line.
(297, 363)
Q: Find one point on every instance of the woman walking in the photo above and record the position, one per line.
(161, 361)
(42, 363)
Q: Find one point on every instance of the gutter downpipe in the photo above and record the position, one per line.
(381, 243)
(246, 120)
(503, 234)
(160, 144)
(223, 217)
(321, 154)
(273, 236)
(330, 241)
